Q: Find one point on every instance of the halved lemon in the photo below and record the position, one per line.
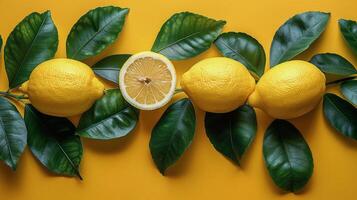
(147, 80)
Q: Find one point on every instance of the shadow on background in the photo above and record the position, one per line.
(111, 146)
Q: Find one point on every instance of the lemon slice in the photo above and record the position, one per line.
(147, 80)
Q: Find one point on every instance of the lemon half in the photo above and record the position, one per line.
(147, 80)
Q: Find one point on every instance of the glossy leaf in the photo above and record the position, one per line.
(109, 67)
(110, 117)
(186, 35)
(173, 134)
(33, 41)
(348, 29)
(95, 31)
(243, 48)
(341, 115)
(333, 64)
(287, 156)
(13, 134)
(52, 141)
(296, 35)
(232, 133)
(349, 90)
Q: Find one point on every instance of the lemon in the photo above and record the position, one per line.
(218, 84)
(147, 80)
(62, 87)
(289, 90)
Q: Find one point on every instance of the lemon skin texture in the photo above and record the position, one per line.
(289, 90)
(62, 87)
(218, 85)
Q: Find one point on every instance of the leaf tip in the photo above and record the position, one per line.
(79, 176)
(162, 171)
(13, 167)
(126, 10)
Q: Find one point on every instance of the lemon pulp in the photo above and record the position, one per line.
(147, 80)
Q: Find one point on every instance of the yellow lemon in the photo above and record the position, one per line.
(289, 90)
(147, 80)
(218, 84)
(62, 87)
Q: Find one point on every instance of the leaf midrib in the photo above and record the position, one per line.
(103, 120)
(293, 43)
(188, 36)
(237, 156)
(338, 109)
(174, 133)
(351, 33)
(28, 50)
(96, 33)
(7, 141)
(242, 57)
(284, 146)
(67, 157)
(55, 140)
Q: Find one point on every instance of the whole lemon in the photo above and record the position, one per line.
(62, 87)
(218, 84)
(289, 90)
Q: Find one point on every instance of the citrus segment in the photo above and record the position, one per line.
(147, 80)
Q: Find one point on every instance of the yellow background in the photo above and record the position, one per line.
(123, 169)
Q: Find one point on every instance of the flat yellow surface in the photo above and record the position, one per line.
(123, 169)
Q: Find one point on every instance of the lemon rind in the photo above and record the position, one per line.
(156, 56)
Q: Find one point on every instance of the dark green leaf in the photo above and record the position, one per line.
(110, 117)
(333, 64)
(186, 35)
(349, 31)
(53, 143)
(95, 31)
(33, 41)
(13, 133)
(296, 35)
(349, 90)
(109, 67)
(341, 115)
(232, 133)
(287, 156)
(243, 48)
(173, 134)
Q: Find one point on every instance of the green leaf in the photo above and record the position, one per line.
(232, 133)
(110, 117)
(349, 90)
(333, 64)
(341, 115)
(95, 31)
(13, 133)
(243, 48)
(33, 41)
(287, 156)
(53, 143)
(296, 35)
(186, 35)
(173, 134)
(348, 29)
(109, 67)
